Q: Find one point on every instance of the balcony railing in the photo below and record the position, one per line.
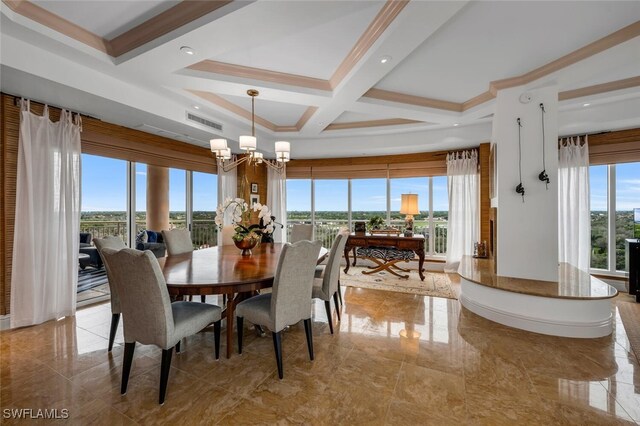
(203, 232)
(326, 230)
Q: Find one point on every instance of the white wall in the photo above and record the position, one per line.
(527, 232)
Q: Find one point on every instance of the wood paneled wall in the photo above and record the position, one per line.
(485, 199)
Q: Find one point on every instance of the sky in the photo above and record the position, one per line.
(104, 189)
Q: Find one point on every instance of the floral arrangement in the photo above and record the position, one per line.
(241, 214)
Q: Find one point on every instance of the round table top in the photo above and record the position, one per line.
(222, 269)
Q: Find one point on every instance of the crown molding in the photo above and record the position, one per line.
(376, 28)
(600, 88)
(251, 73)
(371, 123)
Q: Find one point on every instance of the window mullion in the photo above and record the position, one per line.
(349, 216)
(611, 216)
(432, 232)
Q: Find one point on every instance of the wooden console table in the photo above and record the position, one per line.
(415, 243)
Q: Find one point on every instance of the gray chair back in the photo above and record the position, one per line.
(293, 283)
(332, 270)
(178, 241)
(113, 243)
(146, 307)
(301, 232)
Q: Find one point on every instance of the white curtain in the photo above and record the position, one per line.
(46, 243)
(277, 202)
(227, 187)
(574, 216)
(464, 220)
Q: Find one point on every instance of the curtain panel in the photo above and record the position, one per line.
(464, 217)
(277, 202)
(574, 215)
(47, 221)
(227, 188)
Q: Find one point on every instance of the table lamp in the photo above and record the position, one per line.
(409, 206)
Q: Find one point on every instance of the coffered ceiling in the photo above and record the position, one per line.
(335, 77)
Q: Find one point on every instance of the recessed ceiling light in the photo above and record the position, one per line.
(187, 50)
(585, 105)
(456, 124)
(385, 59)
(196, 107)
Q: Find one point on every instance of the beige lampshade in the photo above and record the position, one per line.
(409, 204)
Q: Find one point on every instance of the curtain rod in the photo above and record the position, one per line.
(16, 102)
(584, 134)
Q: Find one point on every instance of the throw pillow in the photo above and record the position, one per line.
(142, 237)
(152, 236)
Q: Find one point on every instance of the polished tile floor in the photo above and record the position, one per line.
(395, 359)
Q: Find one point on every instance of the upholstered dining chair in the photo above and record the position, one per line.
(137, 276)
(320, 269)
(327, 278)
(114, 243)
(290, 300)
(301, 232)
(178, 241)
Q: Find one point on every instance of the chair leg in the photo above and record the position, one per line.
(129, 348)
(340, 293)
(307, 331)
(178, 346)
(115, 319)
(164, 373)
(277, 346)
(335, 303)
(203, 298)
(240, 322)
(216, 337)
(327, 307)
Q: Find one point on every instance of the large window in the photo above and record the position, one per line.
(177, 198)
(330, 204)
(331, 208)
(615, 192)
(298, 203)
(104, 197)
(369, 198)
(204, 231)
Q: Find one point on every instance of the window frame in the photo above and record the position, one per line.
(430, 253)
(611, 224)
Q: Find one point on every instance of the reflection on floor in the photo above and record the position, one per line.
(395, 359)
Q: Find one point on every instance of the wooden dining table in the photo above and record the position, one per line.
(223, 270)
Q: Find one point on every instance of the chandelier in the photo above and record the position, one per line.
(226, 161)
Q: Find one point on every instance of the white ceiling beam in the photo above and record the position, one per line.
(415, 23)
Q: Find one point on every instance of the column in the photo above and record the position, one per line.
(157, 198)
(527, 233)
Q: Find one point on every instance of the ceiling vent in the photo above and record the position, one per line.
(203, 121)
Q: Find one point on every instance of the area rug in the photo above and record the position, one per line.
(436, 284)
(630, 315)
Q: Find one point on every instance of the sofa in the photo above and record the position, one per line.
(153, 241)
(85, 247)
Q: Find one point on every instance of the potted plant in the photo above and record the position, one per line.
(247, 235)
(376, 222)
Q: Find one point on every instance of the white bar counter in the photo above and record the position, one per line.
(577, 305)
